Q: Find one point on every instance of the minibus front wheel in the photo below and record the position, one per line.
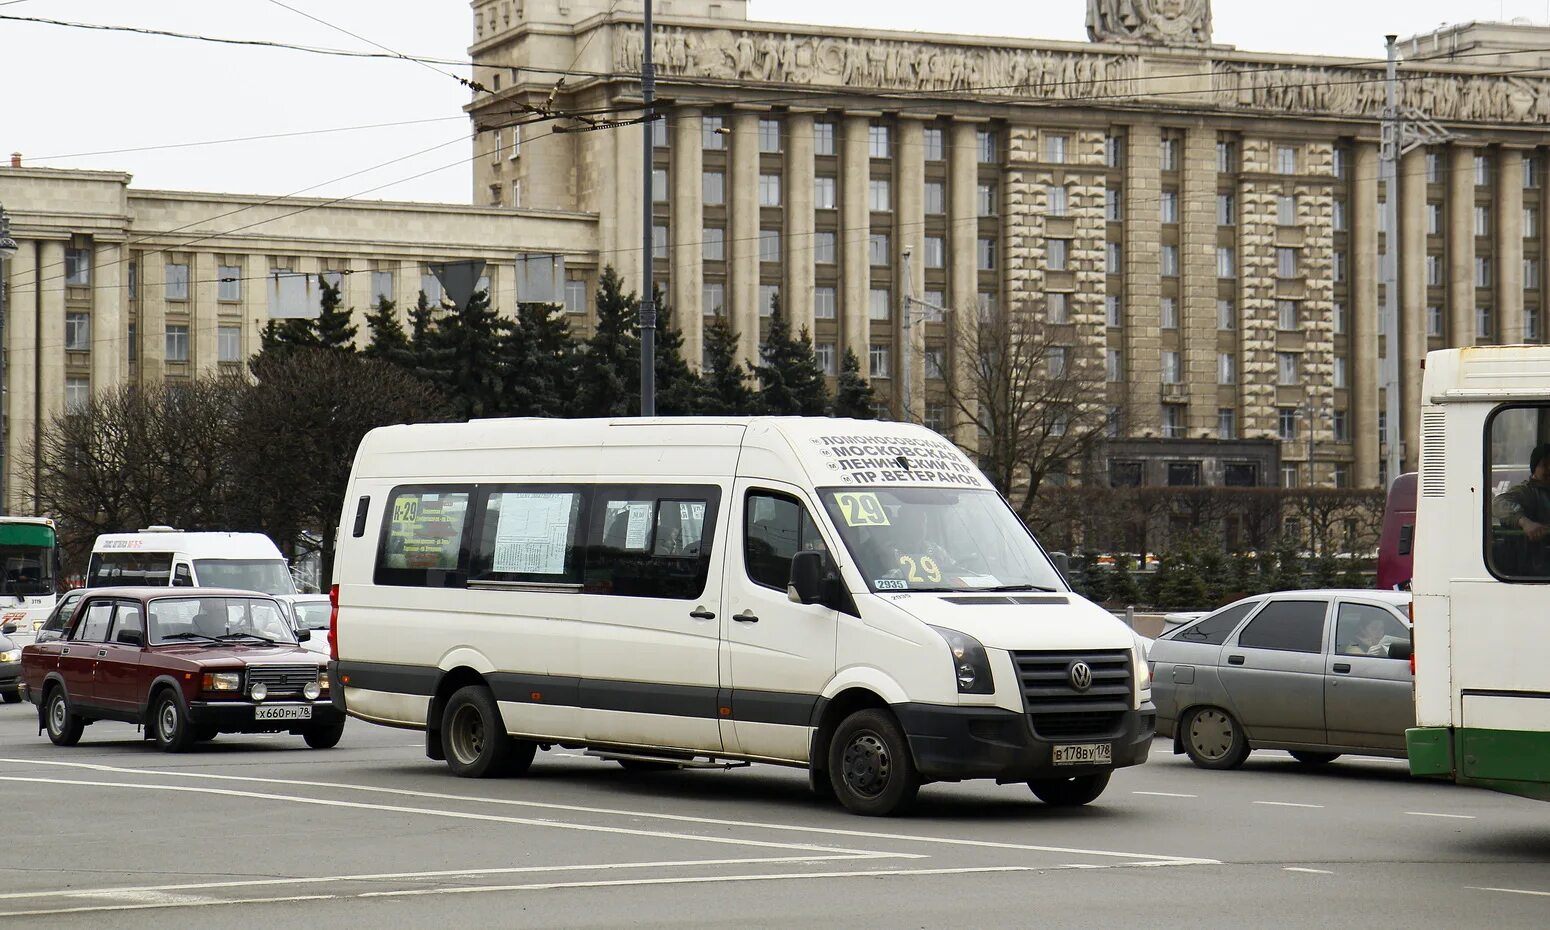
(870, 765)
(474, 737)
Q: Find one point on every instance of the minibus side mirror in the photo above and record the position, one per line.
(1062, 565)
(1401, 651)
(806, 585)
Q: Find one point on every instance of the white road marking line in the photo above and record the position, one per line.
(438, 812)
(1164, 794)
(1537, 894)
(216, 902)
(1449, 816)
(1308, 871)
(1288, 804)
(613, 812)
(445, 873)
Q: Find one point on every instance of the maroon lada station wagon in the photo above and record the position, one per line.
(185, 663)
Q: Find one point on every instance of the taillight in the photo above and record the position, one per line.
(333, 623)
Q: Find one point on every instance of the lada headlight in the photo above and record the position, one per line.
(222, 681)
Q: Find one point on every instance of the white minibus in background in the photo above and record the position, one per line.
(850, 597)
(161, 555)
(1481, 588)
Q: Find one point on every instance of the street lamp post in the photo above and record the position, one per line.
(7, 251)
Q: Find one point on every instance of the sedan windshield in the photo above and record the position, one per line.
(177, 619)
(269, 576)
(312, 615)
(938, 539)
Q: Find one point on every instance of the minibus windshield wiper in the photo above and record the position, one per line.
(1021, 587)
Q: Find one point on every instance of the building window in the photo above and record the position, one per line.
(936, 252)
(713, 299)
(1170, 313)
(879, 249)
(659, 189)
(1286, 210)
(1531, 222)
(177, 342)
(877, 141)
(1057, 362)
(1338, 317)
(658, 134)
(1114, 366)
(1531, 273)
(1114, 310)
(825, 192)
(1059, 253)
(1433, 168)
(1054, 148)
(1340, 372)
(1058, 308)
(134, 281)
(1286, 315)
(935, 417)
(575, 295)
(713, 244)
(78, 267)
(985, 145)
(1173, 421)
(711, 136)
(769, 245)
(1287, 421)
(935, 143)
(1226, 424)
(985, 303)
(823, 138)
(880, 195)
(1341, 165)
(1113, 205)
(769, 296)
(1434, 219)
(1530, 171)
(714, 188)
(177, 281)
(77, 332)
(1226, 210)
(877, 358)
(1226, 157)
(1531, 324)
(1286, 159)
(1114, 151)
(1111, 423)
(1226, 266)
(1383, 428)
(1170, 261)
(1170, 207)
(1482, 171)
(660, 242)
(823, 248)
(1288, 478)
(823, 353)
(1170, 154)
(1340, 425)
(769, 190)
(879, 303)
(132, 343)
(1226, 315)
(1482, 271)
(936, 198)
(1286, 368)
(1434, 270)
(1434, 320)
(381, 287)
(1172, 373)
(1056, 196)
(985, 254)
(77, 394)
(1483, 322)
(936, 303)
(1482, 221)
(1286, 263)
(824, 302)
(1226, 368)
(228, 343)
(1340, 214)
(769, 135)
(1112, 258)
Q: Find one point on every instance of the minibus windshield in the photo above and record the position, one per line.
(938, 539)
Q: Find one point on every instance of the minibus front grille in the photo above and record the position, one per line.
(1049, 694)
(1104, 725)
(282, 679)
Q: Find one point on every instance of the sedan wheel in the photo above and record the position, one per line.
(170, 723)
(1214, 740)
(64, 727)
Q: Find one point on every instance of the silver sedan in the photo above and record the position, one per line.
(1317, 673)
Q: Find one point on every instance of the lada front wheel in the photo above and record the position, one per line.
(1070, 792)
(64, 727)
(870, 765)
(170, 724)
(324, 736)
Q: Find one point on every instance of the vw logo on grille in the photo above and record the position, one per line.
(1081, 675)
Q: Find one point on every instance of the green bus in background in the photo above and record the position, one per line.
(29, 571)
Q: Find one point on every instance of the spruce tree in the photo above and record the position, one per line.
(678, 387)
(540, 362)
(334, 326)
(724, 387)
(471, 340)
(389, 342)
(427, 358)
(609, 369)
(853, 395)
(790, 381)
(1122, 583)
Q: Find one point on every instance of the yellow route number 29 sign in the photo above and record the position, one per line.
(862, 508)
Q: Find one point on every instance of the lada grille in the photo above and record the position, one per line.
(1058, 710)
(282, 679)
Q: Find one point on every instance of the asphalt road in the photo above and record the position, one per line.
(261, 831)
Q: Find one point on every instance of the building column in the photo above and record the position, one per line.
(797, 295)
(1411, 339)
(855, 231)
(963, 273)
(203, 314)
(51, 332)
(107, 324)
(1197, 294)
(628, 183)
(743, 198)
(1142, 254)
(1365, 373)
(152, 331)
(910, 216)
(21, 356)
(1461, 246)
(255, 303)
(1509, 246)
(356, 294)
(687, 227)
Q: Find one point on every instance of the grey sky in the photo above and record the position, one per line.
(72, 91)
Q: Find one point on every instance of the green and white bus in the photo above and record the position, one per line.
(29, 570)
(1481, 584)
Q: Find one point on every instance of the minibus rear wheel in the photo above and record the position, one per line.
(870, 766)
(474, 738)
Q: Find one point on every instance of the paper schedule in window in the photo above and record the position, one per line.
(532, 534)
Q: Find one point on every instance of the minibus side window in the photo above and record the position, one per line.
(776, 528)
(650, 540)
(130, 569)
(424, 543)
(529, 535)
(1517, 498)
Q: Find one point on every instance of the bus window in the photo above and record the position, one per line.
(1517, 471)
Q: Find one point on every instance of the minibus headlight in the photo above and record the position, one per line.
(971, 667)
(1143, 666)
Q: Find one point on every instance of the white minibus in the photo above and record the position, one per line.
(1482, 567)
(161, 555)
(850, 597)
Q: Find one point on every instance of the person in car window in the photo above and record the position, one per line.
(1526, 507)
(1369, 639)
